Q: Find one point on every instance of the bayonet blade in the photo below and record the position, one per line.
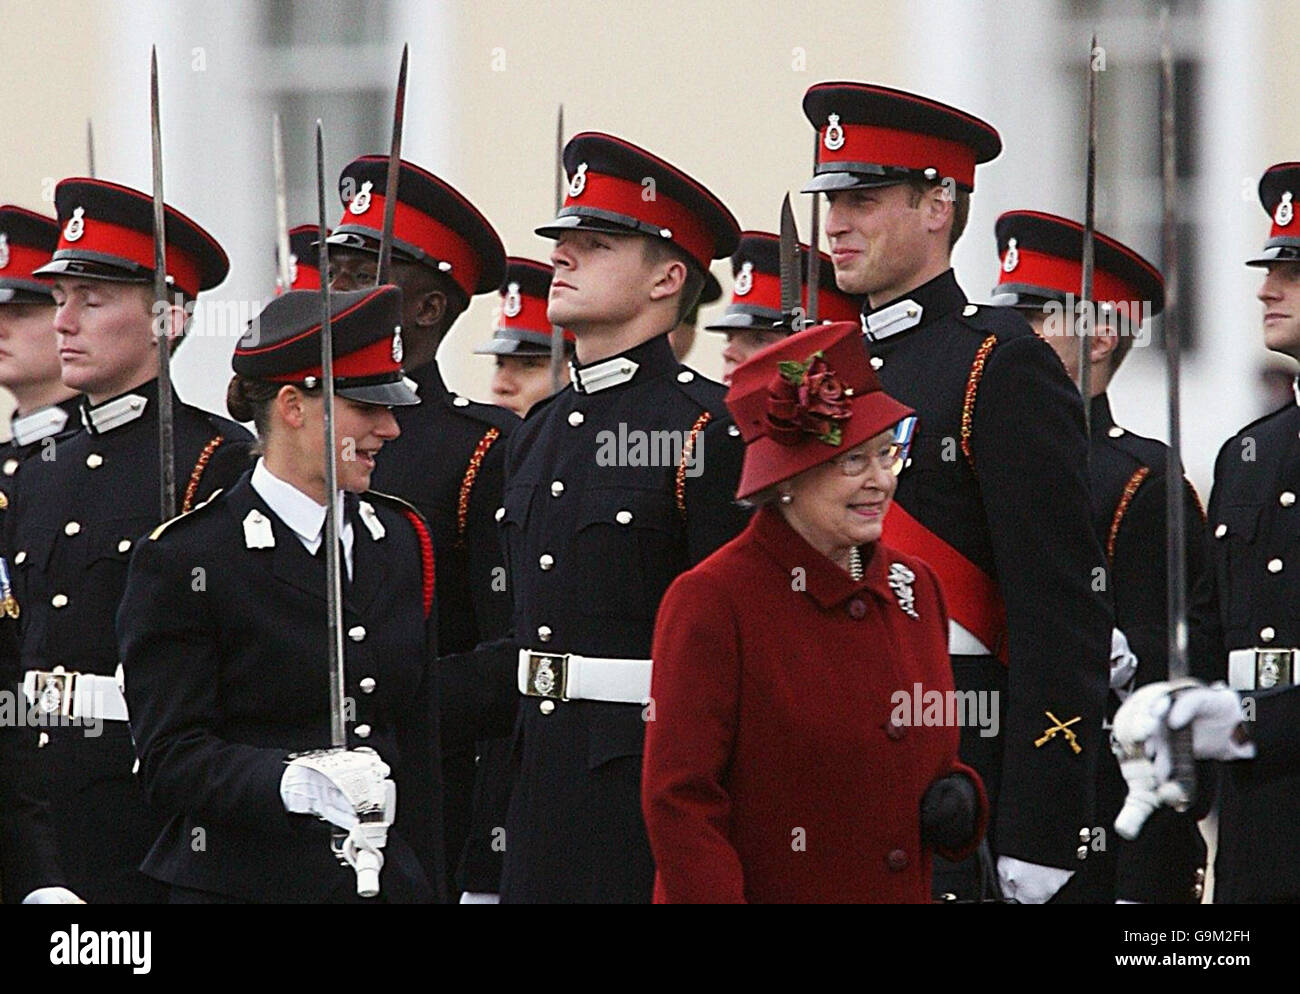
(789, 268)
(384, 268)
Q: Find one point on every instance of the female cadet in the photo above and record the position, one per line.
(783, 762)
(223, 634)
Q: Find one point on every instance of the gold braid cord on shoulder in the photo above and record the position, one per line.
(972, 387)
(196, 474)
(1125, 499)
(467, 484)
(687, 451)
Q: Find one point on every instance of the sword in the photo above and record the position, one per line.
(814, 241)
(90, 148)
(384, 267)
(281, 207)
(333, 567)
(557, 333)
(1183, 772)
(1084, 325)
(791, 291)
(166, 455)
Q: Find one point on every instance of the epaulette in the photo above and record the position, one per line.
(541, 404)
(396, 503)
(1267, 417)
(422, 534)
(154, 535)
(489, 414)
(705, 392)
(1005, 323)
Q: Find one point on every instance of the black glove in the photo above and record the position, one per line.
(949, 812)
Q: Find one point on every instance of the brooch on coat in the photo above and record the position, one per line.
(900, 582)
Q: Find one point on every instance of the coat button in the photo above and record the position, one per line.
(461, 401)
(544, 632)
(357, 632)
(894, 730)
(546, 561)
(124, 545)
(877, 362)
(94, 460)
(576, 418)
(1085, 834)
(733, 431)
(685, 376)
(1275, 566)
(363, 731)
(546, 707)
(71, 528)
(20, 558)
(59, 600)
(11, 467)
(43, 741)
(969, 311)
(1081, 852)
(896, 860)
(501, 513)
(1286, 499)
(623, 517)
(367, 685)
(1267, 633)
(857, 609)
(557, 488)
(1220, 530)
(1115, 432)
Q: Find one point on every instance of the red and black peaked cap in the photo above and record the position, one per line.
(283, 344)
(1278, 189)
(621, 189)
(106, 233)
(877, 136)
(304, 257)
(433, 224)
(521, 324)
(26, 241)
(1042, 259)
(756, 287)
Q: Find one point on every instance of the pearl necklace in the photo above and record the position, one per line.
(855, 564)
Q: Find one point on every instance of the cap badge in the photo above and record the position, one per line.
(361, 202)
(1012, 259)
(76, 226)
(579, 181)
(397, 344)
(900, 582)
(744, 279)
(834, 139)
(293, 269)
(514, 303)
(4, 250)
(1285, 211)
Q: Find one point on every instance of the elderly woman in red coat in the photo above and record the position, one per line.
(784, 759)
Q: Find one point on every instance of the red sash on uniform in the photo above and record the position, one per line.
(973, 598)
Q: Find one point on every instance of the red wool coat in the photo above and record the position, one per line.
(777, 766)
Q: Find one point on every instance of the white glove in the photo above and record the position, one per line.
(1123, 664)
(349, 789)
(335, 785)
(1030, 883)
(52, 895)
(1141, 741)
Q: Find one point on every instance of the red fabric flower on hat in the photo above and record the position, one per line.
(807, 398)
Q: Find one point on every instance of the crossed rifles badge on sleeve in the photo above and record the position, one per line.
(1063, 727)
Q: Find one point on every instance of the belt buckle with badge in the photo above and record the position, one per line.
(548, 675)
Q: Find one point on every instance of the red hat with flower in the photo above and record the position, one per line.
(802, 401)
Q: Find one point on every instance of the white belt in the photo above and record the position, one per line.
(962, 643)
(570, 677)
(75, 695)
(1260, 669)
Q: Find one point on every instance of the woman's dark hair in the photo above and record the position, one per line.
(249, 399)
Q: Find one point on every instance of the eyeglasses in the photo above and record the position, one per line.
(889, 458)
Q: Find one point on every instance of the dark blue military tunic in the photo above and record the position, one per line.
(998, 473)
(597, 520)
(225, 679)
(71, 526)
(1249, 600)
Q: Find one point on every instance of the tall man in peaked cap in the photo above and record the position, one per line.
(449, 457)
(753, 318)
(74, 520)
(996, 498)
(597, 521)
(46, 411)
(1040, 275)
